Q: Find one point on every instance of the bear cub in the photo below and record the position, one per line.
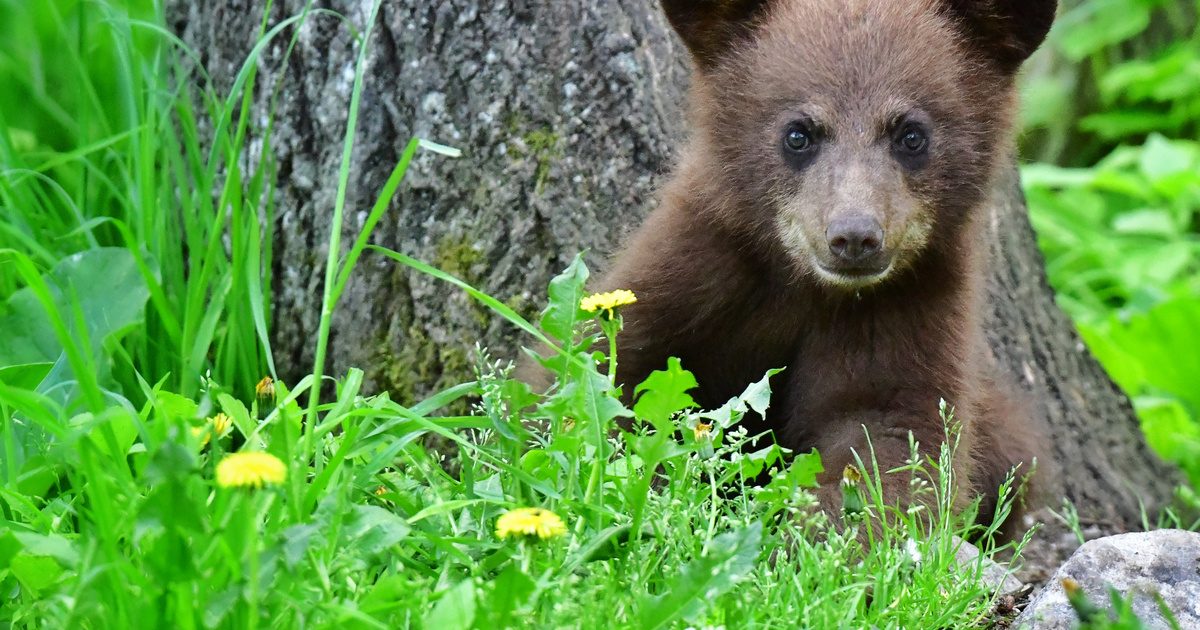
(826, 215)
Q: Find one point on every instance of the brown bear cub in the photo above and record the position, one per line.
(826, 216)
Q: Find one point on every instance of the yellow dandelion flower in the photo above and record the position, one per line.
(250, 470)
(606, 303)
(221, 423)
(530, 522)
(265, 388)
(702, 431)
(217, 425)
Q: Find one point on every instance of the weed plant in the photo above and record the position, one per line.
(662, 523)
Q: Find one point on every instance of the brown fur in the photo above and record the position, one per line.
(728, 269)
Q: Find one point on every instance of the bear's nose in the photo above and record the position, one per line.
(854, 239)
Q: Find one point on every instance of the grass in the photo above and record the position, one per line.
(124, 349)
(373, 529)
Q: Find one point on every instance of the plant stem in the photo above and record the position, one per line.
(612, 354)
(329, 299)
(596, 481)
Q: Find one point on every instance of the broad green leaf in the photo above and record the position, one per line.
(779, 493)
(386, 593)
(1147, 222)
(35, 572)
(1048, 175)
(538, 463)
(725, 561)
(103, 284)
(1152, 341)
(49, 545)
(664, 393)
(1091, 26)
(1124, 123)
(372, 529)
(176, 407)
(455, 609)
(804, 469)
(1170, 430)
(589, 401)
(563, 312)
(26, 375)
(758, 395)
(1162, 159)
(753, 463)
(10, 546)
(112, 431)
(507, 595)
(237, 412)
(38, 474)
(1142, 269)
(656, 448)
(296, 542)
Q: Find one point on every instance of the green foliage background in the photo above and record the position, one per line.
(1112, 114)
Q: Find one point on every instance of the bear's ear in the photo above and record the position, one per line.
(711, 27)
(1005, 31)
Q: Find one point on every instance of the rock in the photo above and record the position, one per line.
(1053, 542)
(997, 576)
(1166, 562)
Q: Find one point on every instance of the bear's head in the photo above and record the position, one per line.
(853, 136)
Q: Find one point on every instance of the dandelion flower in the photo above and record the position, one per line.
(250, 470)
(606, 303)
(851, 476)
(530, 522)
(217, 426)
(702, 431)
(853, 501)
(220, 423)
(265, 388)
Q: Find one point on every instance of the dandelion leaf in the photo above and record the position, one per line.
(725, 561)
(563, 312)
(664, 393)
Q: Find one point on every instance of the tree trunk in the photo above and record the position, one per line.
(567, 114)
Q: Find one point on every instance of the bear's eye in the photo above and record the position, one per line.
(797, 139)
(912, 140)
(800, 143)
(910, 144)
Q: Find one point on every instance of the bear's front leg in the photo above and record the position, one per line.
(859, 416)
(855, 447)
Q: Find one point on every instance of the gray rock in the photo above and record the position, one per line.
(1164, 562)
(998, 577)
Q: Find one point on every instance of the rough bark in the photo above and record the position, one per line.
(1100, 460)
(567, 114)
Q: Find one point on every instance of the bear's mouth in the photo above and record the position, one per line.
(854, 277)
